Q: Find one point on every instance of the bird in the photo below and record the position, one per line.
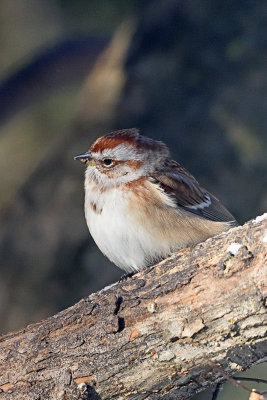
(140, 205)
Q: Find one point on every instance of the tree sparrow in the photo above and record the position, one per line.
(140, 205)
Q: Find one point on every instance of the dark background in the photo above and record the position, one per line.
(192, 73)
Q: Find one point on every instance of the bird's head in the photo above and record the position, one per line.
(122, 156)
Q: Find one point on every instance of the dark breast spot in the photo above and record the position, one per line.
(95, 208)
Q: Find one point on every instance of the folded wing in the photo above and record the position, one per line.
(183, 188)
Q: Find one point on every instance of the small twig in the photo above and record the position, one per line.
(229, 379)
(257, 380)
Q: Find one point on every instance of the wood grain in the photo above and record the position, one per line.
(155, 335)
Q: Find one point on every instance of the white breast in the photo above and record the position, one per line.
(125, 241)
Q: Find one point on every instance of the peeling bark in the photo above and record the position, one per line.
(152, 336)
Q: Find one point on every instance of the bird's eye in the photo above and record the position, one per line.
(108, 162)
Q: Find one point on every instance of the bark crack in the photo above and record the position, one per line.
(163, 345)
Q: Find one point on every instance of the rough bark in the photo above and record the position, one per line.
(152, 336)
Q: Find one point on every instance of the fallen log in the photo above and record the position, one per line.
(155, 335)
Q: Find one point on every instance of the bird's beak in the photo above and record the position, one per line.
(86, 159)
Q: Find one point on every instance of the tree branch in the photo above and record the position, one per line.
(155, 335)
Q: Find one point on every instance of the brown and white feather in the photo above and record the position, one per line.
(143, 206)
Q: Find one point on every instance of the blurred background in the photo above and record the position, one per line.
(189, 72)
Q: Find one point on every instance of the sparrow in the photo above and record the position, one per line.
(140, 205)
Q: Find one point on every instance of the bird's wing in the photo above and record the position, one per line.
(183, 188)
